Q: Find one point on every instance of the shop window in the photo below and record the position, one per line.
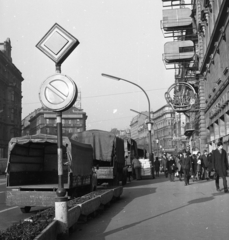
(12, 115)
(12, 95)
(1, 152)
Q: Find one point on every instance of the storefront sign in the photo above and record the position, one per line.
(181, 96)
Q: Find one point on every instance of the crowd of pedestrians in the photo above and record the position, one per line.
(195, 166)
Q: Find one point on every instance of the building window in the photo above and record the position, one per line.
(12, 95)
(1, 152)
(47, 121)
(12, 115)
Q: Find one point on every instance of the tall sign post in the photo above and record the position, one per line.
(58, 93)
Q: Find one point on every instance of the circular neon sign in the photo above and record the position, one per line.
(181, 96)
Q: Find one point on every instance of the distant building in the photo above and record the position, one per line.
(139, 131)
(163, 119)
(125, 133)
(44, 121)
(10, 98)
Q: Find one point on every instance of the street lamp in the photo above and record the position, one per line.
(149, 122)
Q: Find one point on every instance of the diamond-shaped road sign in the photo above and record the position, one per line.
(58, 92)
(57, 44)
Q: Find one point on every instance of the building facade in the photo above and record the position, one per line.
(10, 98)
(163, 129)
(213, 19)
(189, 24)
(139, 131)
(44, 121)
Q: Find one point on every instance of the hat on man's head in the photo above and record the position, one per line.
(219, 144)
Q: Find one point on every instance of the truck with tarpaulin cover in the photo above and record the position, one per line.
(108, 155)
(32, 170)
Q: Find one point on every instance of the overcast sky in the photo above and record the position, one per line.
(118, 37)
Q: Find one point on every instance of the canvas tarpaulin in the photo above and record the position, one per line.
(105, 144)
(78, 155)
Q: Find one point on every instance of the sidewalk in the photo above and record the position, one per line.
(162, 210)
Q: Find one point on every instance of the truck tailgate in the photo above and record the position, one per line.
(105, 173)
(30, 198)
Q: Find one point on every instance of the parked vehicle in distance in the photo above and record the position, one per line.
(108, 155)
(32, 172)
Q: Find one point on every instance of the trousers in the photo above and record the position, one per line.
(186, 176)
(137, 172)
(224, 182)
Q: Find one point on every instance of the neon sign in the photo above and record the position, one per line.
(181, 96)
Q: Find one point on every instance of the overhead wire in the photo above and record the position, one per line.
(108, 95)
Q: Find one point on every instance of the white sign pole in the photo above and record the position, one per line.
(61, 205)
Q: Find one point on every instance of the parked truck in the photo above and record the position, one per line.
(108, 155)
(32, 170)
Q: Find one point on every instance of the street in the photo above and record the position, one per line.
(10, 215)
(159, 209)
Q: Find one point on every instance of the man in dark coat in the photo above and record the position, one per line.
(157, 166)
(171, 166)
(220, 164)
(209, 165)
(186, 165)
(204, 159)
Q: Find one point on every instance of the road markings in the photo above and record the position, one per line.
(8, 209)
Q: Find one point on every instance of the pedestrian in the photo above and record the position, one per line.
(220, 165)
(199, 166)
(209, 165)
(137, 167)
(171, 166)
(204, 158)
(157, 166)
(186, 165)
(194, 166)
(188, 150)
(178, 166)
(151, 159)
(164, 163)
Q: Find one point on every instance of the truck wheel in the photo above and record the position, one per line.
(25, 209)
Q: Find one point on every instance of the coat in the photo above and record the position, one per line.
(157, 165)
(204, 161)
(186, 163)
(194, 165)
(219, 162)
(210, 162)
(171, 166)
(164, 161)
(178, 163)
(199, 164)
(136, 163)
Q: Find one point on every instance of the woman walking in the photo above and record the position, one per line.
(157, 166)
(171, 166)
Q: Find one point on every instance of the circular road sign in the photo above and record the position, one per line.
(58, 92)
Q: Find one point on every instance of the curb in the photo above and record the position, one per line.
(83, 209)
